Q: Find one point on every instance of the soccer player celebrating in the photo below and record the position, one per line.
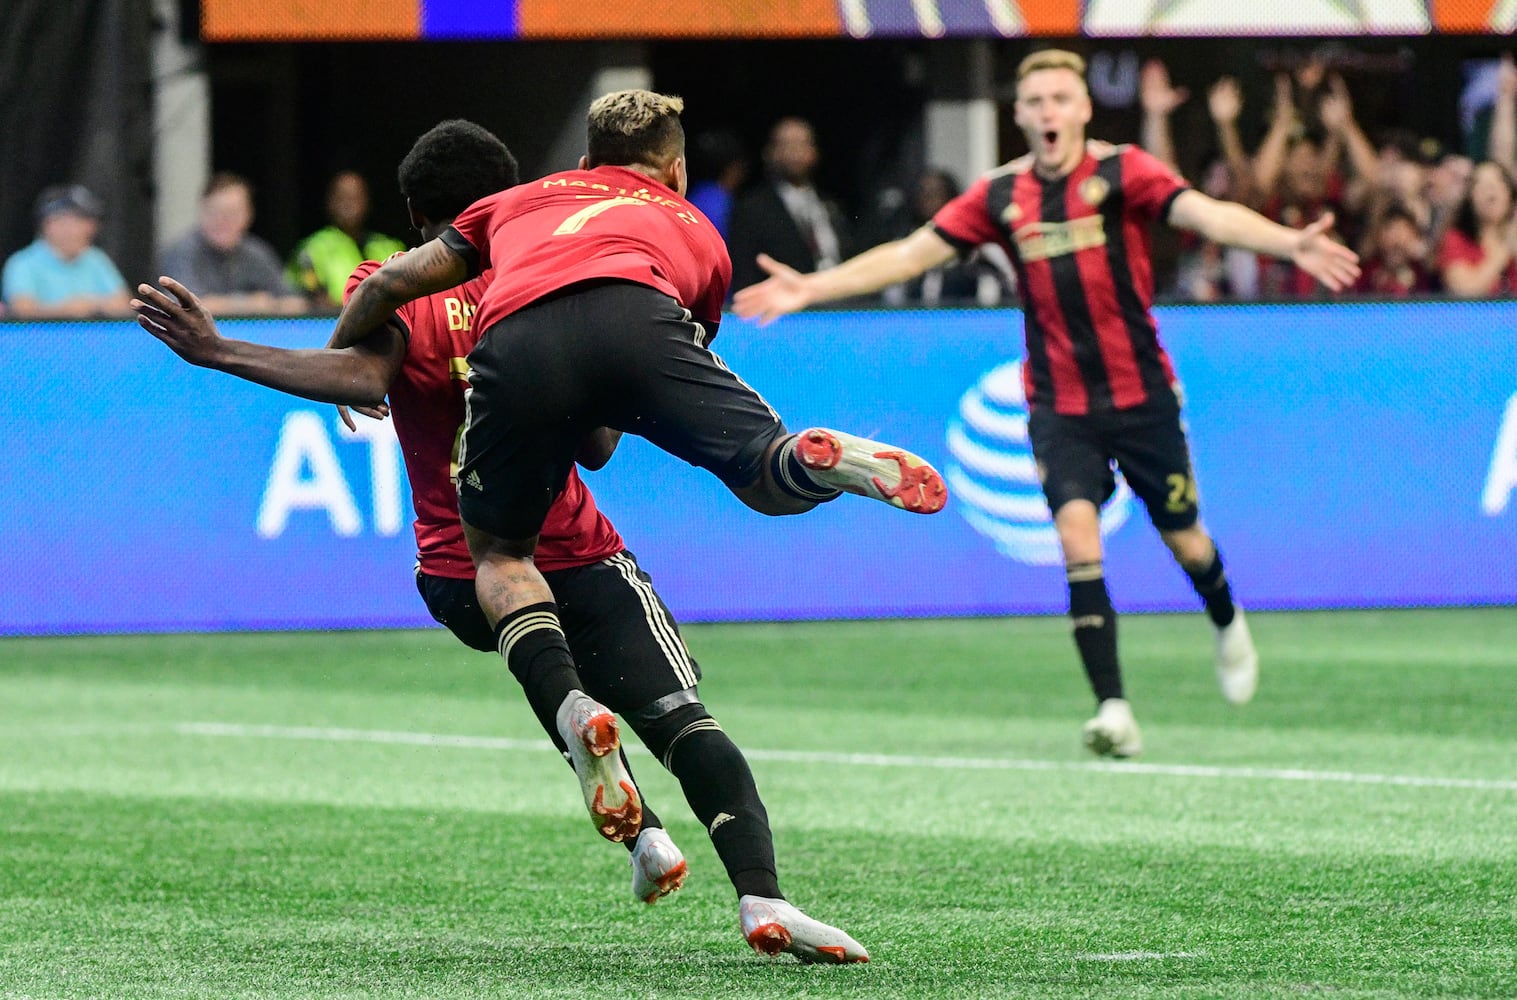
(608, 288)
(1074, 214)
(628, 648)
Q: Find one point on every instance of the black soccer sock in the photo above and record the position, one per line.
(1212, 586)
(1095, 628)
(532, 643)
(793, 478)
(720, 789)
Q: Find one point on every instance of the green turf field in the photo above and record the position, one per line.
(376, 815)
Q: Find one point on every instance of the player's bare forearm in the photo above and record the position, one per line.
(360, 375)
(885, 265)
(787, 290)
(1232, 224)
(353, 376)
(1311, 248)
(430, 268)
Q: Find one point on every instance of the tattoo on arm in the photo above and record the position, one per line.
(430, 268)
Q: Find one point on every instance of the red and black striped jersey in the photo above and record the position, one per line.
(1081, 248)
(427, 405)
(579, 225)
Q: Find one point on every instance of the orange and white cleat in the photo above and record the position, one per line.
(772, 926)
(591, 732)
(658, 867)
(870, 469)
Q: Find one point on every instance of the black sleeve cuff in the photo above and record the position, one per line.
(454, 240)
(1170, 201)
(964, 247)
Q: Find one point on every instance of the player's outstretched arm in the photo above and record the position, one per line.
(431, 267)
(1312, 249)
(360, 375)
(787, 290)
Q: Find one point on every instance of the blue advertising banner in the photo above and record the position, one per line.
(1349, 455)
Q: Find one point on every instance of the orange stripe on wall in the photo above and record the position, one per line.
(1051, 17)
(270, 20)
(674, 19)
(1463, 15)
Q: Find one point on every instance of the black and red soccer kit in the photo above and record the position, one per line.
(609, 287)
(622, 635)
(1100, 387)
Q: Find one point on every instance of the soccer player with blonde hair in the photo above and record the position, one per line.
(1074, 216)
(608, 291)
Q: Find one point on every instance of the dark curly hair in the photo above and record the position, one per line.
(1464, 215)
(454, 164)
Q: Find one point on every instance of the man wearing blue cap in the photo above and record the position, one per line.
(62, 273)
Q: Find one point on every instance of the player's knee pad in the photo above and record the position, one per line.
(664, 723)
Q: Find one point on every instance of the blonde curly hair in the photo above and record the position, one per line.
(635, 126)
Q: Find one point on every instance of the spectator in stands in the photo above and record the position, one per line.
(231, 270)
(786, 217)
(322, 262)
(1206, 271)
(1296, 173)
(1503, 136)
(1447, 182)
(1398, 266)
(62, 273)
(718, 169)
(1404, 180)
(1478, 257)
(984, 277)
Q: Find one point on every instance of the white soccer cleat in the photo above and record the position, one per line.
(771, 926)
(1114, 731)
(1237, 660)
(658, 867)
(870, 469)
(593, 737)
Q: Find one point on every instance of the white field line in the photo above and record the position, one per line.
(331, 735)
(1135, 956)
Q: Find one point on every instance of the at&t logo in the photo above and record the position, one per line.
(994, 480)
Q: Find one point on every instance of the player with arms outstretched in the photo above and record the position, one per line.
(1074, 216)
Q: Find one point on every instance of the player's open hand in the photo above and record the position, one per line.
(377, 412)
(782, 293)
(1323, 257)
(177, 318)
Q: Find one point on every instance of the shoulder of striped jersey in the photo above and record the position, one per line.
(1105, 150)
(1020, 165)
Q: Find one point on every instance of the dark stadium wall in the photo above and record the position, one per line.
(289, 116)
(76, 106)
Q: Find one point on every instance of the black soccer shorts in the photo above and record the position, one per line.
(608, 354)
(1147, 443)
(625, 642)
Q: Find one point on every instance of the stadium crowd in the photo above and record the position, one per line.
(1426, 220)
